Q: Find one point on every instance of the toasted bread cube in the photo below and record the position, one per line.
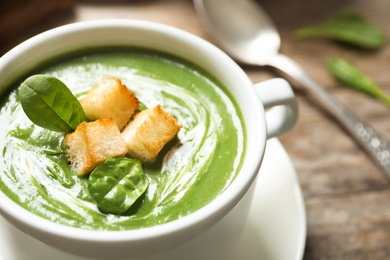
(110, 98)
(147, 134)
(92, 143)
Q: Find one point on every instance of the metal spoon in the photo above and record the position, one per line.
(246, 32)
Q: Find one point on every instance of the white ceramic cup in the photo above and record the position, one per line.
(208, 233)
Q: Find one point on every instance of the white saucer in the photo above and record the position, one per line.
(276, 227)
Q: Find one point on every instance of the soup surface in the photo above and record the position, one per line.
(190, 171)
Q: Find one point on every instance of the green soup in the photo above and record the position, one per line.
(190, 171)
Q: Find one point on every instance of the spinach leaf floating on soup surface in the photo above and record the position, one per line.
(49, 103)
(117, 183)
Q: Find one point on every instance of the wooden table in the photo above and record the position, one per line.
(346, 196)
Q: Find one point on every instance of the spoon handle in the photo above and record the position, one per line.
(375, 145)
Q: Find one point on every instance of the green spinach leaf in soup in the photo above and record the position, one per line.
(49, 103)
(117, 183)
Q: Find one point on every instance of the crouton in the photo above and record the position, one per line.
(92, 143)
(110, 99)
(150, 130)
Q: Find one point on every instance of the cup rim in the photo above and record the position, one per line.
(212, 211)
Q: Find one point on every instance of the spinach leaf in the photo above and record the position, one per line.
(349, 27)
(350, 76)
(117, 183)
(49, 103)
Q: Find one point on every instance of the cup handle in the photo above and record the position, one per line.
(281, 106)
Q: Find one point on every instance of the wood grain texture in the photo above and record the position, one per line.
(346, 196)
(18, 16)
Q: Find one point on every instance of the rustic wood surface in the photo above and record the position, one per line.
(346, 196)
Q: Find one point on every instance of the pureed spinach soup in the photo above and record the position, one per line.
(190, 171)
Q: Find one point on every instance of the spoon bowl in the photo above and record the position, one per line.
(247, 33)
(253, 40)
